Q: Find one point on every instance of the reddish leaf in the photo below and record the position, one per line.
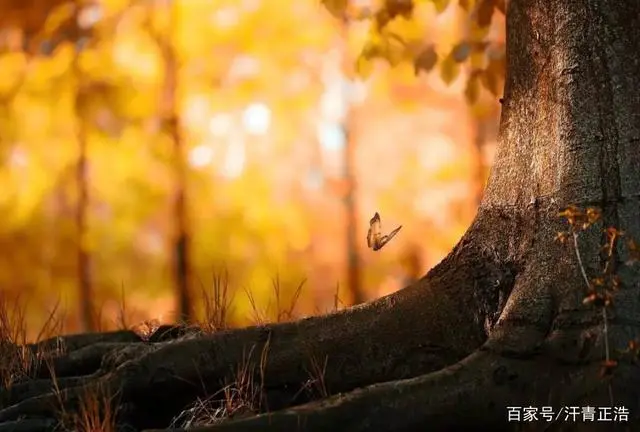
(593, 214)
(607, 367)
(562, 237)
(382, 18)
(634, 251)
(403, 8)
(485, 12)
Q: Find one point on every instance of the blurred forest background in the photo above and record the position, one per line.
(148, 148)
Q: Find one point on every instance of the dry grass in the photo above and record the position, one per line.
(216, 303)
(281, 313)
(258, 315)
(285, 313)
(337, 302)
(18, 361)
(122, 321)
(97, 410)
(243, 396)
(316, 385)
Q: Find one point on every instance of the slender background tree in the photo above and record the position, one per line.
(85, 278)
(171, 121)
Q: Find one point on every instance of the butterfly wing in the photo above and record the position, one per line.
(375, 220)
(393, 233)
(383, 240)
(373, 235)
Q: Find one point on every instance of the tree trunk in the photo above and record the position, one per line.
(354, 274)
(85, 288)
(351, 210)
(181, 239)
(500, 321)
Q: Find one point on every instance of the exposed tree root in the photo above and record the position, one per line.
(37, 387)
(474, 392)
(420, 329)
(75, 342)
(29, 425)
(72, 359)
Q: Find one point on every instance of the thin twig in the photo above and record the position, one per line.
(582, 270)
(605, 326)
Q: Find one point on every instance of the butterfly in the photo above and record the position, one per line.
(375, 239)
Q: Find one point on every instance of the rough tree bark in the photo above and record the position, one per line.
(500, 320)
